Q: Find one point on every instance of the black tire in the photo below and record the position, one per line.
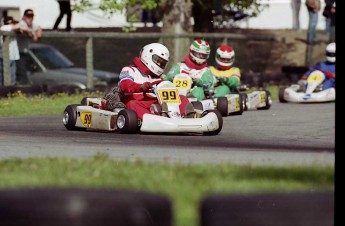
(220, 122)
(70, 117)
(82, 206)
(84, 102)
(268, 209)
(281, 95)
(240, 104)
(197, 105)
(244, 101)
(222, 106)
(127, 121)
(267, 101)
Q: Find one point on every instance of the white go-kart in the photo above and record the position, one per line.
(257, 100)
(165, 117)
(231, 104)
(308, 92)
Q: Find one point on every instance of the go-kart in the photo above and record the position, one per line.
(165, 117)
(231, 104)
(256, 100)
(307, 91)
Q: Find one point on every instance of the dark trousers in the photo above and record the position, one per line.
(65, 8)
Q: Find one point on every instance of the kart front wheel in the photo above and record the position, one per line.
(127, 121)
(69, 118)
(244, 101)
(220, 122)
(281, 95)
(222, 106)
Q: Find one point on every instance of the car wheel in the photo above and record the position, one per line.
(69, 118)
(281, 95)
(220, 122)
(268, 101)
(127, 121)
(222, 106)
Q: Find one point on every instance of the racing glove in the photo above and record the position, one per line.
(146, 86)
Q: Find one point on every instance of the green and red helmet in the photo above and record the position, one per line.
(199, 51)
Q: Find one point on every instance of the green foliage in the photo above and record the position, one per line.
(112, 6)
(184, 185)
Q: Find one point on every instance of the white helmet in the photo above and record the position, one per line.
(225, 57)
(199, 51)
(156, 57)
(330, 52)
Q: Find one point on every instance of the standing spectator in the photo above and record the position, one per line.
(313, 7)
(27, 23)
(326, 14)
(11, 25)
(296, 7)
(329, 13)
(65, 8)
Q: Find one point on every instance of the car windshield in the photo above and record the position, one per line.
(52, 58)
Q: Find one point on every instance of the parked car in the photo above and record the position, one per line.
(43, 64)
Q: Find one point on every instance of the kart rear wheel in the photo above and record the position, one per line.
(268, 101)
(127, 121)
(84, 100)
(220, 122)
(70, 117)
(222, 106)
(281, 95)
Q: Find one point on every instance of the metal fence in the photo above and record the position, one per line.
(253, 52)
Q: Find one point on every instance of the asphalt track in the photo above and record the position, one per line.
(287, 133)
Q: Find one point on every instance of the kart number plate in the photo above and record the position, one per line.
(315, 77)
(169, 96)
(262, 98)
(182, 83)
(85, 118)
(237, 104)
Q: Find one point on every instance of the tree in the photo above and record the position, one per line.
(177, 12)
(177, 15)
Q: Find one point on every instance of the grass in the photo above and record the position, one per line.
(19, 104)
(184, 185)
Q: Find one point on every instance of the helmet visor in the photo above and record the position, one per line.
(160, 62)
(225, 60)
(203, 56)
(329, 54)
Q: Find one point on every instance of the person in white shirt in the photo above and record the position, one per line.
(27, 23)
(11, 25)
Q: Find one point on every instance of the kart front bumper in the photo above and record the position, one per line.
(156, 124)
(290, 95)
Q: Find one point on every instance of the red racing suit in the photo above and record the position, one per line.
(131, 79)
